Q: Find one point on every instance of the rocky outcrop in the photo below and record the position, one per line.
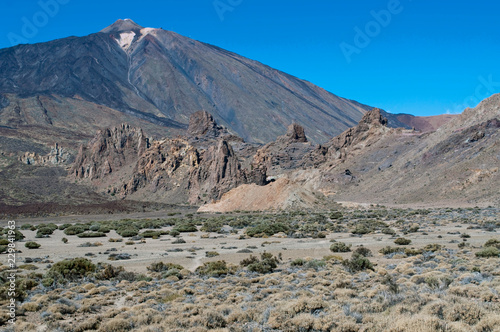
(219, 171)
(371, 126)
(57, 156)
(112, 148)
(295, 133)
(286, 153)
(163, 166)
(123, 161)
(202, 124)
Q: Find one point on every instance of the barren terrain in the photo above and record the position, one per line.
(187, 272)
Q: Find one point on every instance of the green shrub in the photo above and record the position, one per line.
(213, 269)
(250, 260)
(104, 229)
(298, 262)
(75, 229)
(388, 231)
(70, 269)
(340, 247)
(336, 215)
(320, 235)
(363, 251)
(17, 234)
(185, 227)
(212, 226)
(492, 243)
(64, 240)
(413, 252)
(4, 242)
(47, 282)
(152, 234)
(106, 271)
(266, 264)
(266, 228)
(43, 232)
(94, 227)
(162, 267)
(127, 231)
(357, 263)
(32, 245)
(91, 234)
(488, 252)
(389, 250)
(361, 229)
(315, 264)
(51, 226)
(402, 241)
(210, 254)
(433, 247)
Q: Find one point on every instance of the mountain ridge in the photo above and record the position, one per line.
(163, 77)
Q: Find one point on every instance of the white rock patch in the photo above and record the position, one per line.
(126, 39)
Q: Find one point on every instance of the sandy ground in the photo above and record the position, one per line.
(193, 254)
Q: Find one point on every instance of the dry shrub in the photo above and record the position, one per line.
(467, 291)
(489, 323)
(287, 310)
(24, 327)
(213, 320)
(31, 306)
(416, 323)
(301, 322)
(98, 290)
(146, 316)
(308, 305)
(116, 325)
(344, 293)
(114, 312)
(62, 309)
(238, 316)
(90, 323)
(89, 286)
(435, 308)
(467, 312)
(458, 327)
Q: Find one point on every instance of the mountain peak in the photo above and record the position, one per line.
(122, 26)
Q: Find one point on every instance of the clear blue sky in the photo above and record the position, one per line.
(427, 58)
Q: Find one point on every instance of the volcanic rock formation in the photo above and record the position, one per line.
(202, 124)
(111, 149)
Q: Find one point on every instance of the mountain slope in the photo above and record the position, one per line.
(162, 77)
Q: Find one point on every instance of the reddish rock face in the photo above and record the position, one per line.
(218, 172)
(128, 162)
(110, 149)
(158, 167)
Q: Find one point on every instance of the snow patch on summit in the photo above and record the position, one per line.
(147, 31)
(126, 39)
